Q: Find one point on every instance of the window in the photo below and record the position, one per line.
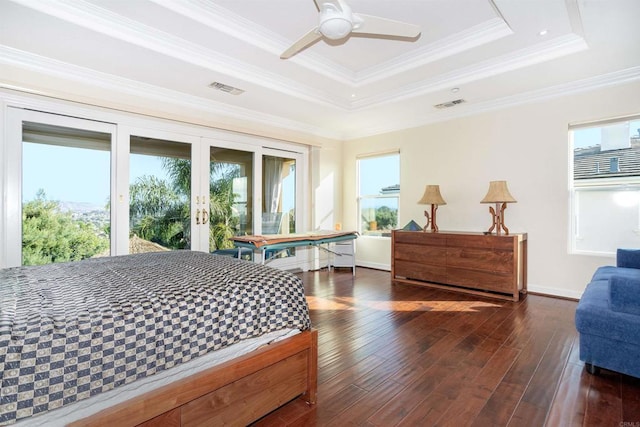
(65, 193)
(605, 187)
(378, 194)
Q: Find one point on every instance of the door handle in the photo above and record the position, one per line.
(205, 216)
(198, 216)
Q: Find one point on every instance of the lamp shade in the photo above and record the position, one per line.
(498, 193)
(432, 196)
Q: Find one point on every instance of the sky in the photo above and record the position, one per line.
(381, 172)
(65, 174)
(590, 136)
(74, 174)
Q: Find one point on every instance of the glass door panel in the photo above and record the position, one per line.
(66, 184)
(278, 200)
(231, 196)
(159, 195)
(278, 195)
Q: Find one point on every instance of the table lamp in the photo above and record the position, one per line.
(432, 197)
(499, 194)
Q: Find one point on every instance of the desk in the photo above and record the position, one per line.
(281, 242)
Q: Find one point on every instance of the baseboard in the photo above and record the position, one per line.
(374, 265)
(555, 292)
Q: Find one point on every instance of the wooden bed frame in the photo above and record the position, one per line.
(237, 392)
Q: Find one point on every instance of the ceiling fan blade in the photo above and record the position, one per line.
(305, 41)
(386, 27)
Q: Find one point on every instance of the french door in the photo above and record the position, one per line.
(281, 194)
(165, 208)
(231, 183)
(253, 190)
(78, 188)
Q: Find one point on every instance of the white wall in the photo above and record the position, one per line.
(326, 193)
(326, 182)
(525, 145)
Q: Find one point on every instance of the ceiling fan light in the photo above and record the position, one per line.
(335, 28)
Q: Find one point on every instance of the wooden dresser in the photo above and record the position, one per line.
(475, 263)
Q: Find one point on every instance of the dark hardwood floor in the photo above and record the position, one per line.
(411, 356)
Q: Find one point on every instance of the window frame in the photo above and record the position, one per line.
(585, 185)
(362, 197)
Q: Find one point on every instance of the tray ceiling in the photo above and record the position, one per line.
(490, 53)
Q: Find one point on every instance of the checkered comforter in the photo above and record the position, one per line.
(70, 331)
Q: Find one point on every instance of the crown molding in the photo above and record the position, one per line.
(95, 18)
(470, 38)
(234, 25)
(90, 16)
(575, 20)
(223, 20)
(541, 52)
(115, 84)
(615, 78)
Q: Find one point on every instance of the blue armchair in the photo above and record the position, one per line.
(608, 317)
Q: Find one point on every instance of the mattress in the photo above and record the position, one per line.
(70, 331)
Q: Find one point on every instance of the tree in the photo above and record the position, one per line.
(386, 218)
(49, 235)
(159, 213)
(160, 210)
(223, 222)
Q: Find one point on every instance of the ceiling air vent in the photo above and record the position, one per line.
(450, 103)
(226, 88)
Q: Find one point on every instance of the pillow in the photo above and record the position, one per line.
(624, 295)
(629, 258)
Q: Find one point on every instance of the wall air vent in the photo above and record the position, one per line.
(450, 104)
(226, 88)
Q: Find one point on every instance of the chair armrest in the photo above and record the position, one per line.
(629, 258)
(624, 295)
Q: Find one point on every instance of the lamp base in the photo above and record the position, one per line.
(497, 216)
(431, 219)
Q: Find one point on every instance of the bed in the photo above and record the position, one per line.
(136, 339)
(270, 245)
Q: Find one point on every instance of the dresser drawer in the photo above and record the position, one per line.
(484, 280)
(480, 241)
(420, 238)
(424, 272)
(420, 254)
(489, 260)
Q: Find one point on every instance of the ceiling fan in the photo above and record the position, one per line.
(336, 22)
